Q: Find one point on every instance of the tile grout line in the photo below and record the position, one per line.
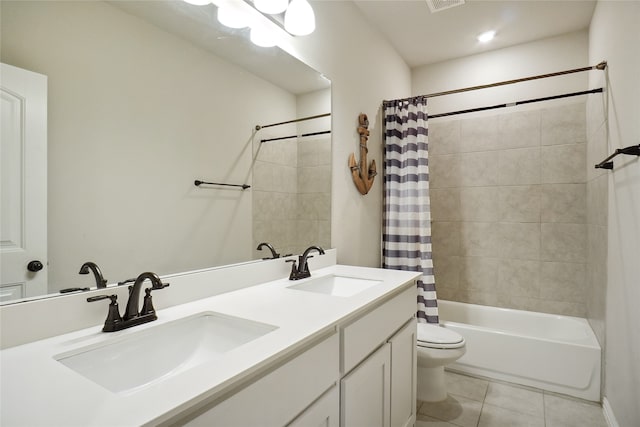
(484, 398)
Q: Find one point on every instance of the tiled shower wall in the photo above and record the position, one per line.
(275, 196)
(314, 193)
(292, 195)
(508, 205)
(597, 207)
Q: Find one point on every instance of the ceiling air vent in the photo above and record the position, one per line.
(440, 5)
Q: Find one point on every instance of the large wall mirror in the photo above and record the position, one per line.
(144, 97)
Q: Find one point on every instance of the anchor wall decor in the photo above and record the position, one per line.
(362, 176)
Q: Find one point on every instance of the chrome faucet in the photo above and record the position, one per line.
(274, 254)
(97, 274)
(132, 315)
(301, 271)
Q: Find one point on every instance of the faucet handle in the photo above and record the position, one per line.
(113, 316)
(294, 269)
(101, 297)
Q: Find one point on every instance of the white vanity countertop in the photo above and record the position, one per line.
(37, 390)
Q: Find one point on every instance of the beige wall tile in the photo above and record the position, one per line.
(315, 179)
(518, 166)
(520, 203)
(519, 277)
(556, 307)
(597, 278)
(479, 239)
(478, 169)
(596, 107)
(445, 204)
(479, 203)
(565, 124)
(444, 171)
(479, 134)
(445, 238)
(597, 200)
(564, 164)
(519, 240)
(447, 272)
(564, 242)
(479, 274)
(444, 137)
(564, 203)
(562, 281)
(314, 206)
(263, 176)
(519, 130)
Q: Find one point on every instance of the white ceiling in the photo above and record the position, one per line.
(422, 37)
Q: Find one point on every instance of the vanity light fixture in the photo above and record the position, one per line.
(272, 7)
(486, 36)
(198, 2)
(262, 36)
(299, 18)
(232, 16)
(264, 18)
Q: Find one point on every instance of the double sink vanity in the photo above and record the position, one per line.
(240, 345)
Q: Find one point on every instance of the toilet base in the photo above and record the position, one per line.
(431, 384)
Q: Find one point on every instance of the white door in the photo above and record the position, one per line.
(23, 190)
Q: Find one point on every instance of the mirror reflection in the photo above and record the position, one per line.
(143, 98)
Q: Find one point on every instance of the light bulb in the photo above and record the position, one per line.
(262, 36)
(272, 7)
(198, 2)
(232, 17)
(299, 18)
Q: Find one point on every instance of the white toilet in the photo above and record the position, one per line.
(437, 347)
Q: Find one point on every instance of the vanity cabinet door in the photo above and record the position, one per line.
(403, 375)
(325, 412)
(365, 398)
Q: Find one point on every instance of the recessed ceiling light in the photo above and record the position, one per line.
(486, 36)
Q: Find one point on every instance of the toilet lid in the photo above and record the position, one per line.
(438, 337)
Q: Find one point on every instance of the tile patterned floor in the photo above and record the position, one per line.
(475, 402)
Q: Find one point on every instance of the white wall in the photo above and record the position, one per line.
(364, 70)
(614, 36)
(135, 115)
(550, 55)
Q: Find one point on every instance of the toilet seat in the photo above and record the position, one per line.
(435, 336)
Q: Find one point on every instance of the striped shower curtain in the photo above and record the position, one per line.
(406, 240)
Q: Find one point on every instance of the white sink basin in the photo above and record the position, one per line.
(337, 286)
(138, 359)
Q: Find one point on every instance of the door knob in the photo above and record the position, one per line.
(34, 266)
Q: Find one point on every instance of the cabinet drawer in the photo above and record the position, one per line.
(364, 335)
(276, 398)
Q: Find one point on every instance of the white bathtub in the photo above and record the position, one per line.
(546, 351)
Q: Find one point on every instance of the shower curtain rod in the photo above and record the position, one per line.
(258, 127)
(601, 66)
(296, 136)
(513, 104)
